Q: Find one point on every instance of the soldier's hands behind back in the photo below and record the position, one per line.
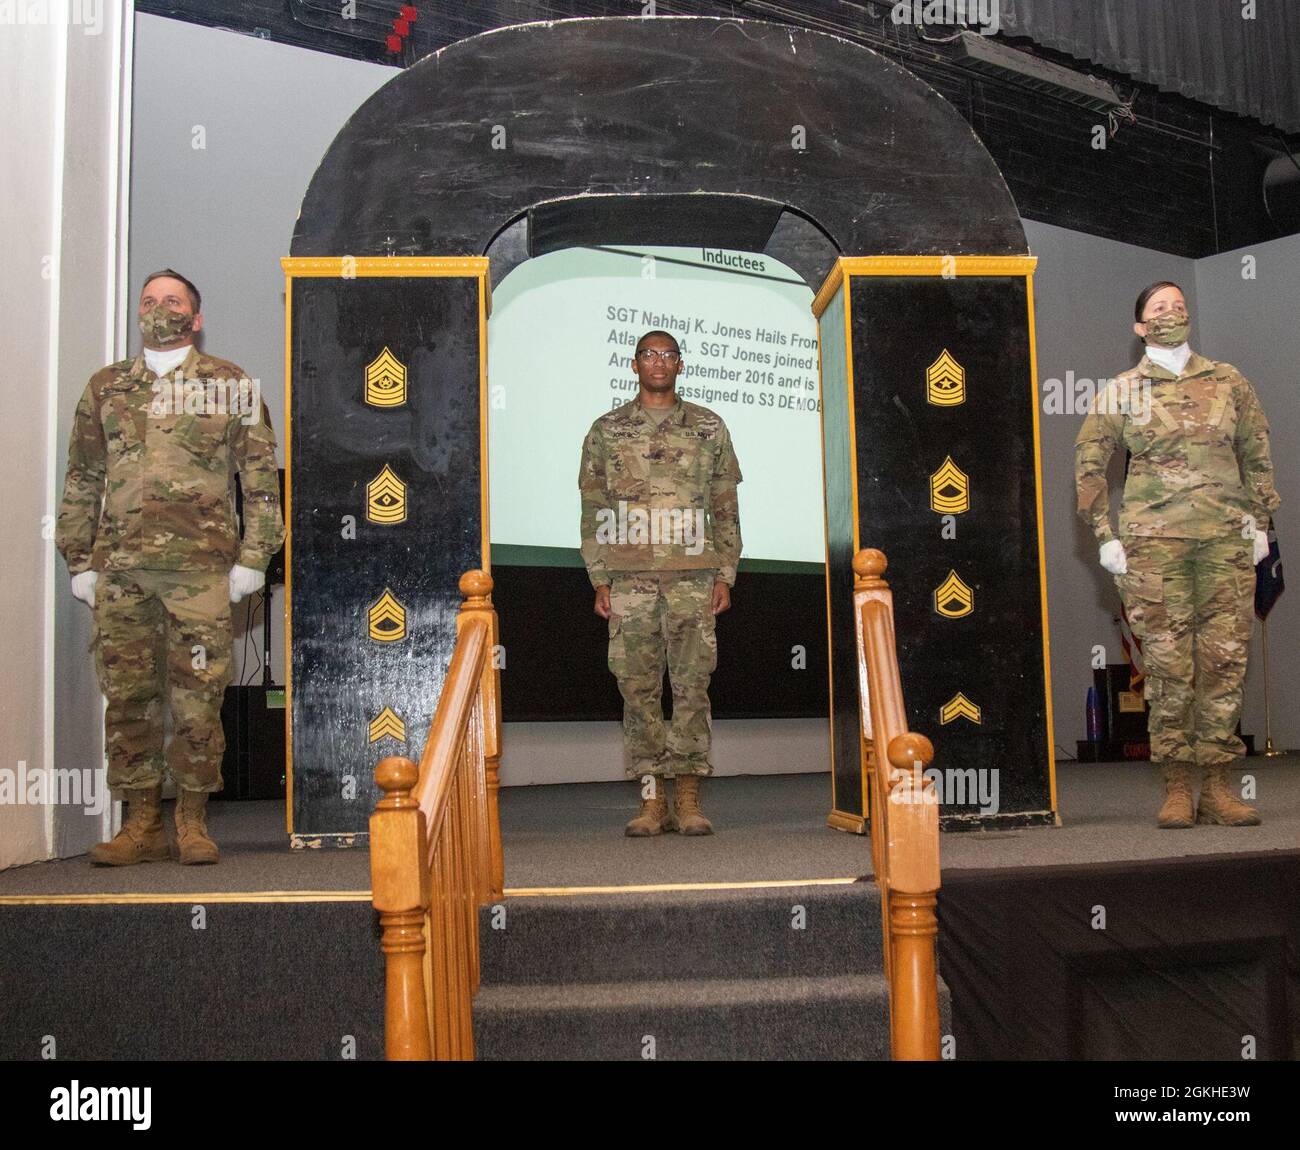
(602, 607)
(83, 587)
(244, 581)
(1112, 557)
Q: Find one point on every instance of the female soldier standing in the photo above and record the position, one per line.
(1192, 526)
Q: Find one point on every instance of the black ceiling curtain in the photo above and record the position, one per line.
(1203, 49)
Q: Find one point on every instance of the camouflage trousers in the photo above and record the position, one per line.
(660, 617)
(163, 634)
(1190, 602)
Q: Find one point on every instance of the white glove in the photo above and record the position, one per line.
(83, 587)
(1261, 547)
(244, 581)
(1113, 558)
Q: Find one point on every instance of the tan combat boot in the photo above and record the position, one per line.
(1179, 810)
(1219, 805)
(654, 817)
(192, 829)
(142, 838)
(686, 805)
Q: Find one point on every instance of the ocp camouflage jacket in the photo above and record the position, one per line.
(659, 497)
(1200, 457)
(151, 469)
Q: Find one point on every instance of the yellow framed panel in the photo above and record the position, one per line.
(359, 267)
(846, 267)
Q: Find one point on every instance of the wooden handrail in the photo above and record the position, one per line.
(435, 848)
(904, 820)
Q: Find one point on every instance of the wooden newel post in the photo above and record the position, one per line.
(913, 884)
(869, 570)
(476, 588)
(401, 895)
(868, 576)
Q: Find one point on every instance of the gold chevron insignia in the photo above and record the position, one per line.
(958, 707)
(386, 381)
(386, 498)
(952, 598)
(387, 619)
(386, 723)
(949, 489)
(945, 381)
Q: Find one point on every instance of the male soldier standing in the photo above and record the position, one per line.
(651, 471)
(148, 529)
(1194, 523)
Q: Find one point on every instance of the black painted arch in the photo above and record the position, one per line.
(700, 109)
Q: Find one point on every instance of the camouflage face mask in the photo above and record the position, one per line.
(1168, 329)
(164, 326)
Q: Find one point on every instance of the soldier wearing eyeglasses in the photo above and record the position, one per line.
(661, 541)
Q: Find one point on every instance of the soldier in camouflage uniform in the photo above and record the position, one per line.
(148, 529)
(661, 541)
(1194, 521)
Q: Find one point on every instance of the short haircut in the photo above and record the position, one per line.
(1147, 293)
(648, 334)
(196, 301)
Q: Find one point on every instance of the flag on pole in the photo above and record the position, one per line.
(1269, 583)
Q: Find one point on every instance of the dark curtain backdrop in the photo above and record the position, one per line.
(1202, 49)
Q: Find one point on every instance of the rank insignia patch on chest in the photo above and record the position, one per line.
(949, 489)
(387, 619)
(386, 498)
(945, 381)
(386, 381)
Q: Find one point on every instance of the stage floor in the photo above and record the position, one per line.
(769, 829)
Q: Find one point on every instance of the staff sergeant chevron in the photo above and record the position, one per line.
(953, 599)
(387, 724)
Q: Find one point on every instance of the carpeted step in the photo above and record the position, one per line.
(798, 931)
(751, 973)
(255, 981)
(834, 1017)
